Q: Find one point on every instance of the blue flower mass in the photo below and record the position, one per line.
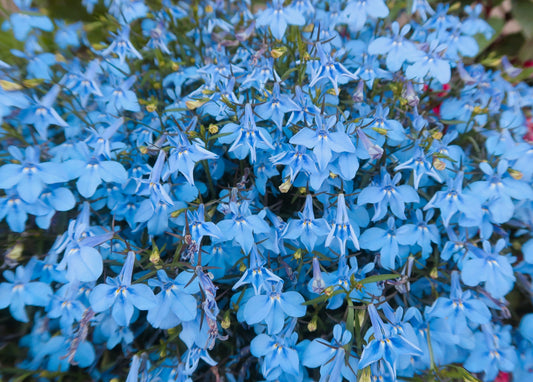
(303, 190)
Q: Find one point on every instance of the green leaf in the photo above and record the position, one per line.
(377, 278)
(522, 11)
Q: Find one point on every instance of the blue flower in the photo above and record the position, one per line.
(246, 137)
(41, 114)
(323, 141)
(330, 69)
(386, 345)
(277, 18)
(30, 176)
(453, 200)
(19, 291)
(256, 274)
(331, 356)
(242, 224)
(489, 267)
(184, 155)
(174, 303)
(119, 293)
(342, 229)
(307, 229)
(460, 307)
(398, 49)
(388, 194)
(279, 352)
(272, 307)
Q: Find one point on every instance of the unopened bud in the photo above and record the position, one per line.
(226, 322)
(409, 94)
(213, 129)
(312, 325)
(438, 164)
(151, 107)
(285, 186)
(515, 174)
(359, 94)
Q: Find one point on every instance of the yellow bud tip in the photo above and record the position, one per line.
(285, 186)
(213, 129)
(151, 108)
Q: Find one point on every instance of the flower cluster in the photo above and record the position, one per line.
(302, 190)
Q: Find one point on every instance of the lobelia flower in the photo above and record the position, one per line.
(121, 295)
(430, 64)
(307, 229)
(276, 107)
(356, 12)
(386, 344)
(174, 303)
(242, 224)
(18, 291)
(246, 137)
(272, 307)
(93, 170)
(397, 49)
(277, 18)
(385, 241)
(453, 200)
(256, 274)
(388, 194)
(460, 307)
(342, 229)
(323, 141)
(420, 166)
(493, 352)
(121, 45)
(489, 267)
(41, 114)
(330, 69)
(30, 176)
(279, 352)
(184, 155)
(498, 190)
(420, 233)
(331, 356)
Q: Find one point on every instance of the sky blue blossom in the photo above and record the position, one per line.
(120, 294)
(329, 68)
(174, 303)
(246, 137)
(307, 228)
(454, 200)
(397, 49)
(388, 194)
(386, 344)
(430, 64)
(331, 356)
(342, 229)
(41, 114)
(256, 274)
(273, 307)
(357, 12)
(242, 224)
(277, 18)
(18, 291)
(493, 352)
(323, 141)
(184, 155)
(421, 233)
(279, 352)
(30, 176)
(489, 267)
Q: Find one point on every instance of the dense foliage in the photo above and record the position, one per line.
(290, 191)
